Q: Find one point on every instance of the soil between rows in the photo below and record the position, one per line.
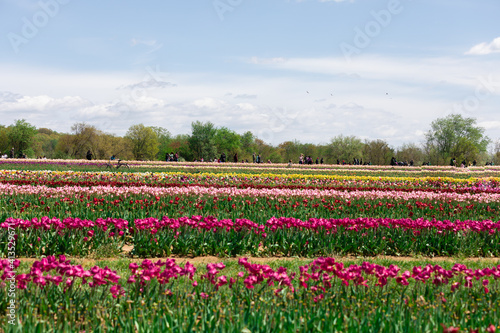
(263, 260)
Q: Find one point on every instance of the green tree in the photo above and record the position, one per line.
(64, 147)
(164, 138)
(4, 140)
(496, 153)
(202, 140)
(45, 142)
(456, 137)
(180, 144)
(410, 151)
(345, 148)
(268, 152)
(247, 146)
(144, 142)
(109, 144)
(309, 149)
(323, 153)
(85, 137)
(290, 150)
(21, 136)
(465, 150)
(227, 141)
(377, 152)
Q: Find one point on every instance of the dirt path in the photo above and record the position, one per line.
(264, 260)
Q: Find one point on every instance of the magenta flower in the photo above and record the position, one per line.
(221, 280)
(117, 291)
(133, 267)
(57, 280)
(455, 286)
(189, 270)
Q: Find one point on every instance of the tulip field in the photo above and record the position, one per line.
(238, 247)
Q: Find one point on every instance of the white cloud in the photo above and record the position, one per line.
(413, 71)
(209, 103)
(97, 112)
(151, 83)
(351, 106)
(419, 133)
(343, 98)
(485, 48)
(246, 106)
(267, 61)
(244, 96)
(16, 102)
(488, 125)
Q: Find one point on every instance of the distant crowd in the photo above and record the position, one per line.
(256, 158)
(355, 161)
(306, 159)
(12, 154)
(465, 164)
(172, 157)
(404, 163)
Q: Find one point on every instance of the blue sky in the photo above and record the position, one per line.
(283, 69)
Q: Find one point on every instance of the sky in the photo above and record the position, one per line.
(305, 70)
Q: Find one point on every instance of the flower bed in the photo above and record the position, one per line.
(253, 296)
(198, 236)
(235, 210)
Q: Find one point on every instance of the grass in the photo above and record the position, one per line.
(178, 307)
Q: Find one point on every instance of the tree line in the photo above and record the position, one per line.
(451, 137)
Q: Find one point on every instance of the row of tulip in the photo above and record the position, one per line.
(198, 236)
(9, 190)
(437, 171)
(321, 274)
(248, 165)
(140, 202)
(184, 183)
(290, 181)
(235, 178)
(273, 224)
(254, 297)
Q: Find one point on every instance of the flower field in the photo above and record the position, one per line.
(291, 249)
